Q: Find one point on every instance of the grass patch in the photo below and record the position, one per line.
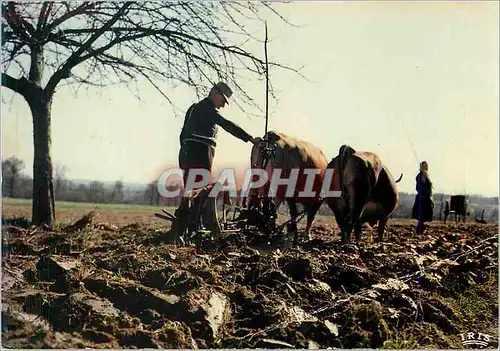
(476, 304)
(401, 340)
(66, 205)
(471, 306)
(420, 336)
(476, 309)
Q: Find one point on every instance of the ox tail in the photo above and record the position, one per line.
(400, 177)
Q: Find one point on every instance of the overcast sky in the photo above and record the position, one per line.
(409, 81)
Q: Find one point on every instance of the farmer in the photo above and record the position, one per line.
(423, 207)
(199, 134)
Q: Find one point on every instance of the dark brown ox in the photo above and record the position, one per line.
(369, 192)
(292, 153)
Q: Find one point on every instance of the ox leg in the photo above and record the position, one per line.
(311, 210)
(354, 207)
(373, 213)
(292, 226)
(347, 218)
(381, 228)
(334, 205)
(358, 229)
(341, 211)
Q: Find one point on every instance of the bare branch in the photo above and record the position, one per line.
(43, 16)
(20, 27)
(103, 43)
(73, 60)
(18, 85)
(268, 6)
(170, 33)
(82, 9)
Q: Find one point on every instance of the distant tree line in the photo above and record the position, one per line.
(476, 205)
(16, 184)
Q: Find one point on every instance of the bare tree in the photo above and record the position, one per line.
(117, 192)
(96, 192)
(60, 180)
(101, 43)
(25, 187)
(11, 174)
(151, 194)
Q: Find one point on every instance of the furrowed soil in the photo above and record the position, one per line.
(103, 286)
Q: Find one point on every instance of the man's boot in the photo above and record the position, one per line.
(179, 224)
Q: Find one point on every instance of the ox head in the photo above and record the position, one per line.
(263, 149)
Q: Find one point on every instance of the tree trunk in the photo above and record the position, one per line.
(43, 211)
(12, 185)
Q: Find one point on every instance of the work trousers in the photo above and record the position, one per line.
(191, 156)
(195, 155)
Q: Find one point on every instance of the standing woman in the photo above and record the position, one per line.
(423, 208)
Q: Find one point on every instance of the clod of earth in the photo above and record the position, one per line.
(210, 314)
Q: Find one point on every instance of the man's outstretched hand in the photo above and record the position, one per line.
(256, 140)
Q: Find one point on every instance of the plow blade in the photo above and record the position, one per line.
(168, 213)
(159, 215)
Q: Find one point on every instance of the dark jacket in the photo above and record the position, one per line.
(423, 186)
(423, 207)
(202, 121)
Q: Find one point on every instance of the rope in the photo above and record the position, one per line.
(411, 143)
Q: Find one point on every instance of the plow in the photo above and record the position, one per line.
(202, 216)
